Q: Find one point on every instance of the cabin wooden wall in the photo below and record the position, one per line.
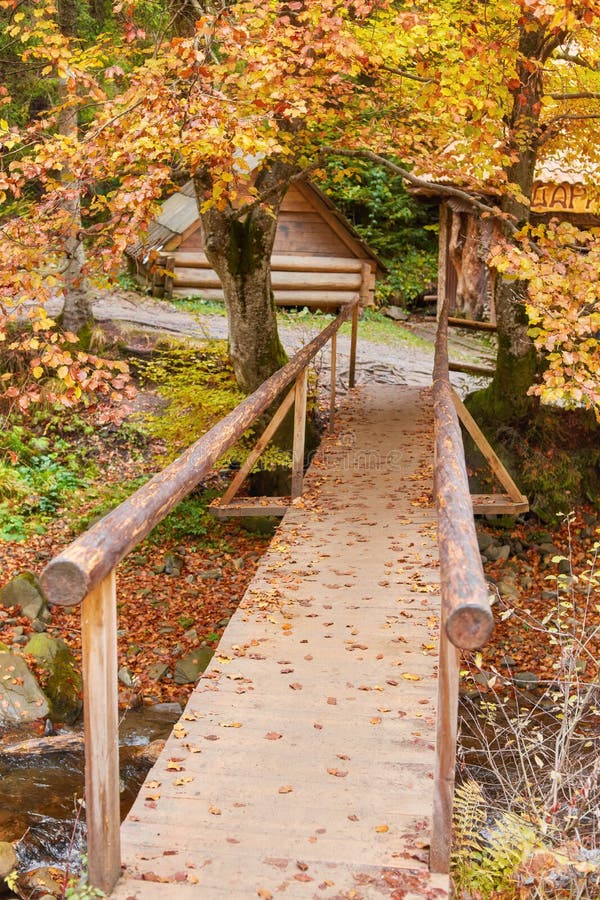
(317, 282)
(312, 265)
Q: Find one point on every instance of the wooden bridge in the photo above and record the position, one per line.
(315, 757)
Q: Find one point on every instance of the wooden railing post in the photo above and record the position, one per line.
(100, 709)
(353, 340)
(332, 386)
(299, 433)
(445, 761)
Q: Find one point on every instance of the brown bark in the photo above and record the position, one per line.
(77, 312)
(239, 251)
(506, 398)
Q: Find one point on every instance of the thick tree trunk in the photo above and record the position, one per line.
(506, 400)
(239, 250)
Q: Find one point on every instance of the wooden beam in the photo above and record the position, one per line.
(472, 324)
(353, 342)
(498, 505)
(445, 760)
(101, 724)
(332, 383)
(280, 280)
(299, 433)
(281, 263)
(471, 369)
(258, 448)
(487, 450)
(243, 507)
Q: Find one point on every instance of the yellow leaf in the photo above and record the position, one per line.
(230, 724)
(38, 372)
(409, 677)
(381, 829)
(286, 789)
(214, 810)
(62, 372)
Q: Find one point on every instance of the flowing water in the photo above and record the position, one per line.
(41, 793)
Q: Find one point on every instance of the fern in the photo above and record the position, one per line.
(486, 860)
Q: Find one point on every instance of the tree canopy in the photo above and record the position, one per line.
(248, 96)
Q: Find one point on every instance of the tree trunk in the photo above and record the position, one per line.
(506, 400)
(77, 312)
(239, 251)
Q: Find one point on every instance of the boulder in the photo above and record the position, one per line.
(189, 668)
(21, 698)
(8, 861)
(25, 591)
(38, 884)
(64, 685)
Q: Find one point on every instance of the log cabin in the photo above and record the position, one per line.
(318, 259)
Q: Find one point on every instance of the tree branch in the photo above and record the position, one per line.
(577, 95)
(410, 75)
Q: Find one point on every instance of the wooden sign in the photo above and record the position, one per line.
(565, 197)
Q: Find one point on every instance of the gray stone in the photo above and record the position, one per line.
(38, 626)
(526, 679)
(190, 667)
(507, 661)
(21, 698)
(494, 553)
(484, 540)
(125, 676)
(211, 573)
(64, 685)
(47, 881)
(508, 588)
(24, 591)
(549, 549)
(395, 313)
(157, 671)
(173, 564)
(548, 595)
(191, 634)
(8, 859)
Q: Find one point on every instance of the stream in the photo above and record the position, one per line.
(41, 792)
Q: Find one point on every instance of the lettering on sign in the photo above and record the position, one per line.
(565, 197)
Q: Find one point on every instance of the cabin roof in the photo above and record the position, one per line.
(179, 215)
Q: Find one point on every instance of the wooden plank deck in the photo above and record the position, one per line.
(303, 764)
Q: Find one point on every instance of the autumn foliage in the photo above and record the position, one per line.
(472, 94)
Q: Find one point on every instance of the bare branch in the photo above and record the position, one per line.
(578, 95)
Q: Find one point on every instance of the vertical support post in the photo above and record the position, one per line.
(100, 709)
(333, 378)
(299, 433)
(445, 760)
(443, 258)
(353, 340)
(169, 276)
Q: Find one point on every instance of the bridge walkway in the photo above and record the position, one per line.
(303, 764)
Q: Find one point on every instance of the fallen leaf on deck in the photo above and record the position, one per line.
(409, 677)
(381, 829)
(214, 810)
(337, 772)
(273, 736)
(286, 789)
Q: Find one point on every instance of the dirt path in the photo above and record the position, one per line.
(397, 361)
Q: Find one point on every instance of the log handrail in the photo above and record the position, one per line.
(83, 565)
(84, 573)
(466, 616)
(465, 604)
